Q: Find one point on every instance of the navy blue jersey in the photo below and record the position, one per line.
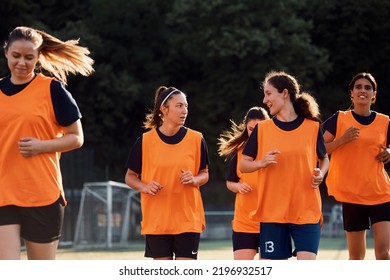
(231, 174)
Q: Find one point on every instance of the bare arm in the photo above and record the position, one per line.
(319, 173)
(73, 138)
(349, 135)
(187, 178)
(238, 187)
(324, 164)
(247, 164)
(384, 155)
(132, 180)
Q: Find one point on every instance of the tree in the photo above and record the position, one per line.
(129, 50)
(220, 51)
(13, 13)
(216, 51)
(356, 35)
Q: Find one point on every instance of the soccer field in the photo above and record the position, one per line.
(330, 249)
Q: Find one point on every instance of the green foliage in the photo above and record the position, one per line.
(356, 34)
(222, 50)
(217, 51)
(128, 49)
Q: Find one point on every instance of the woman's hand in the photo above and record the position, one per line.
(317, 178)
(152, 188)
(384, 156)
(29, 146)
(350, 134)
(269, 158)
(187, 178)
(243, 188)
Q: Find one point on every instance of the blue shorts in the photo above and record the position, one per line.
(245, 240)
(37, 224)
(357, 217)
(184, 245)
(276, 239)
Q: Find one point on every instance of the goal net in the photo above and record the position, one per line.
(109, 216)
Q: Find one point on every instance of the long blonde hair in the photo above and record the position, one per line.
(235, 138)
(57, 57)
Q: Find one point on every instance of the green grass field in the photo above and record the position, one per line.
(330, 249)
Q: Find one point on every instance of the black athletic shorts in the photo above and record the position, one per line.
(37, 224)
(183, 245)
(358, 217)
(245, 240)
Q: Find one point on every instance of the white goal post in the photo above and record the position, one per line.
(109, 214)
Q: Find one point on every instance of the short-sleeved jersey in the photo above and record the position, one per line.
(36, 180)
(354, 175)
(177, 208)
(285, 189)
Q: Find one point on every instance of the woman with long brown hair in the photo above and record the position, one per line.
(289, 153)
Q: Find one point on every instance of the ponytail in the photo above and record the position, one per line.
(306, 106)
(235, 138)
(154, 119)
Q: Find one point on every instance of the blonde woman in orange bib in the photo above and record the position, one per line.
(246, 231)
(39, 120)
(359, 141)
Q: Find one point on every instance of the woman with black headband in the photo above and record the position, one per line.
(167, 165)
